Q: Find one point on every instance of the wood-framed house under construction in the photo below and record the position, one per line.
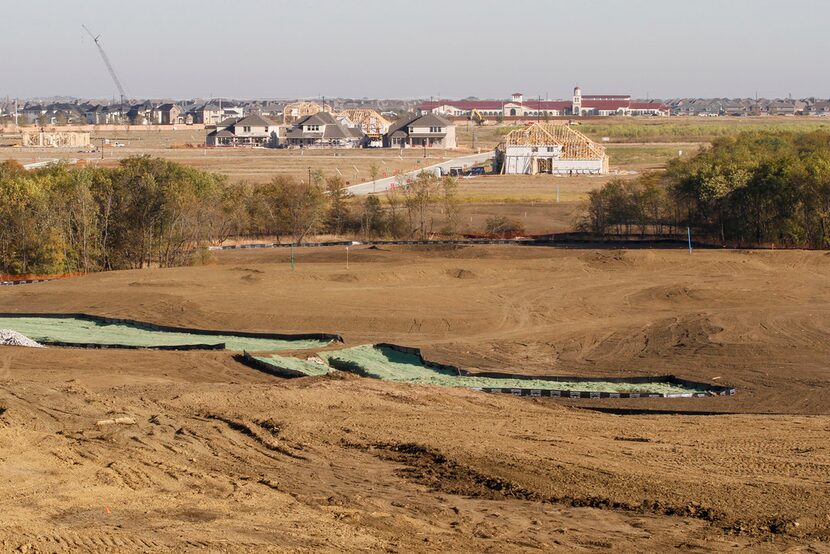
(550, 148)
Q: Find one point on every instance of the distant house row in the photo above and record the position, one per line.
(517, 107)
(327, 130)
(159, 113)
(142, 113)
(748, 106)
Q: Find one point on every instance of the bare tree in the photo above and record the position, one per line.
(420, 195)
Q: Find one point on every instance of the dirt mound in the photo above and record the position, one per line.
(9, 337)
(344, 278)
(661, 339)
(251, 278)
(461, 273)
(164, 284)
(608, 259)
(675, 294)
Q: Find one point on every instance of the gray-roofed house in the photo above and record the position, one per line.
(207, 114)
(32, 112)
(735, 108)
(781, 107)
(425, 131)
(253, 130)
(141, 113)
(820, 108)
(322, 130)
(95, 114)
(166, 114)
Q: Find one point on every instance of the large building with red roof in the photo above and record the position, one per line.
(517, 107)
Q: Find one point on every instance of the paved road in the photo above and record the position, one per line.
(384, 184)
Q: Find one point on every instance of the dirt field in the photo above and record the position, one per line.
(224, 458)
(529, 200)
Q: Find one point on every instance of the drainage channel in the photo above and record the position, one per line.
(87, 331)
(401, 364)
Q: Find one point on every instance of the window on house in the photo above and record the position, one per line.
(246, 129)
(435, 129)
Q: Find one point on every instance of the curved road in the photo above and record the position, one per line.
(386, 183)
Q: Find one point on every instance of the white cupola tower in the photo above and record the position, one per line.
(576, 105)
(517, 97)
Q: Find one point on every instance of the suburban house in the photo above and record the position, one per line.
(210, 113)
(33, 112)
(253, 130)
(106, 114)
(735, 108)
(266, 108)
(166, 114)
(784, 107)
(141, 114)
(323, 130)
(821, 108)
(425, 131)
(96, 115)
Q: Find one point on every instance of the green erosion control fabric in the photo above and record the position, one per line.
(392, 365)
(83, 331)
(303, 366)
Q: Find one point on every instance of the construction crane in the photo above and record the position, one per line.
(107, 63)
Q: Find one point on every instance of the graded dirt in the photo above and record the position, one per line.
(222, 457)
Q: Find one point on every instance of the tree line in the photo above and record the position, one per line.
(751, 189)
(154, 212)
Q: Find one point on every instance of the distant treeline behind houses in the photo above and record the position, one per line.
(747, 190)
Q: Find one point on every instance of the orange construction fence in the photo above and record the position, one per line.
(38, 276)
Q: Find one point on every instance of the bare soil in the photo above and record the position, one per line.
(149, 451)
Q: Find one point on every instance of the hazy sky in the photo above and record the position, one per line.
(416, 48)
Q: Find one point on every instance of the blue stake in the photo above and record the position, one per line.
(689, 236)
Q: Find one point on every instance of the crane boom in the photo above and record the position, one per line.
(106, 59)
